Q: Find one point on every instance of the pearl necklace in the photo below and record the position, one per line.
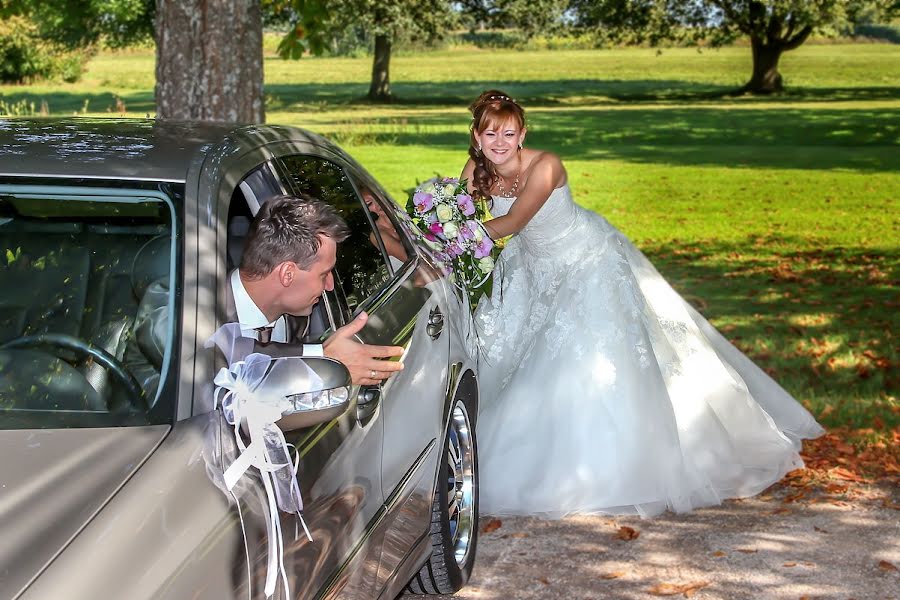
(512, 191)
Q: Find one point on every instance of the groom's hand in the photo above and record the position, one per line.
(368, 365)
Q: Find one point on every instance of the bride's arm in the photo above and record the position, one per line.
(467, 173)
(546, 175)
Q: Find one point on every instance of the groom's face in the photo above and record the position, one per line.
(306, 286)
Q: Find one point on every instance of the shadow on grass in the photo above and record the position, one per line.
(564, 92)
(61, 103)
(822, 322)
(780, 137)
(723, 132)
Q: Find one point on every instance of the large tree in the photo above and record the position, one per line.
(209, 64)
(772, 26)
(314, 23)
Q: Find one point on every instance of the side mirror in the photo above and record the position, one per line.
(317, 390)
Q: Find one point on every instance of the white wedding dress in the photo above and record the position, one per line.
(603, 391)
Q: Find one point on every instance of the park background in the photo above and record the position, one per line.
(775, 215)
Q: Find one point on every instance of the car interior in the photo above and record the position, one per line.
(74, 275)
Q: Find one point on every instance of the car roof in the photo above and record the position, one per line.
(116, 148)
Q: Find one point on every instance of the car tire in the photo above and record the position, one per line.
(454, 510)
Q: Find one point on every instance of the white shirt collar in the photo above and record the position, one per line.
(248, 313)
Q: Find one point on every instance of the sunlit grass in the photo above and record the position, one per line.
(776, 217)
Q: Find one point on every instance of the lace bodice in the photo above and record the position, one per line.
(547, 230)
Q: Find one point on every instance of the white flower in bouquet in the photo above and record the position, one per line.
(486, 264)
(449, 189)
(477, 234)
(450, 230)
(444, 213)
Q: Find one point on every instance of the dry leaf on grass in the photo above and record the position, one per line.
(627, 534)
(674, 589)
(491, 525)
(718, 553)
(789, 564)
(615, 575)
(886, 566)
(747, 550)
(544, 580)
(517, 535)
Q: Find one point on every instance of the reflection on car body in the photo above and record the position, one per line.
(116, 237)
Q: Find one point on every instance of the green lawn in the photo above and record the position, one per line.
(777, 217)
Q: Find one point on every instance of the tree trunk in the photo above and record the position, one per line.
(765, 79)
(209, 63)
(380, 89)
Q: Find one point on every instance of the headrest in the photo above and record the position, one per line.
(150, 263)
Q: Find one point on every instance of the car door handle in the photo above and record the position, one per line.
(367, 401)
(435, 323)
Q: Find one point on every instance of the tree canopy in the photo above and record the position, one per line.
(49, 38)
(773, 26)
(316, 23)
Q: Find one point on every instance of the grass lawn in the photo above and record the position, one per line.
(777, 217)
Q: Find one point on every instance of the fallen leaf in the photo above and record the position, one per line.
(780, 511)
(842, 473)
(820, 530)
(491, 525)
(794, 497)
(718, 553)
(544, 580)
(747, 550)
(888, 504)
(615, 575)
(789, 564)
(627, 534)
(836, 488)
(886, 566)
(517, 535)
(673, 589)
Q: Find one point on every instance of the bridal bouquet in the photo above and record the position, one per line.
(450, 221)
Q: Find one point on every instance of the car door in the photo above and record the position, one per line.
(339, 471)
(401, 293)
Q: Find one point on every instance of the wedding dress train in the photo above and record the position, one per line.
(603, 391)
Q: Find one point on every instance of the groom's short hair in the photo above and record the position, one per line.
(287, 228)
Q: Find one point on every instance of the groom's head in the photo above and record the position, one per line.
(289, 254)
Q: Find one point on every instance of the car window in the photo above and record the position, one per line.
(361, 267)
(85, 334)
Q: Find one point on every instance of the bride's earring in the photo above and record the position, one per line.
(520, 145)
(479, 148)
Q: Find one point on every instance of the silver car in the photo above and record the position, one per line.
(117, 237)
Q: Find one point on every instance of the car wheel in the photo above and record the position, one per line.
(454, 512)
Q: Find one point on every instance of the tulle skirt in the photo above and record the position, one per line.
(603, 391)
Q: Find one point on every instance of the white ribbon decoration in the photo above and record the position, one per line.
(236, 391)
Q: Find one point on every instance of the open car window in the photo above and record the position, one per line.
(362, 268)
(86, 314)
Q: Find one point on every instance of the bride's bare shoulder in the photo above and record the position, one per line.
(549, 164)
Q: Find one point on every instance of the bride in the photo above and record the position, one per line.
(602, 390)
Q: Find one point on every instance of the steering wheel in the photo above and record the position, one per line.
(103, 358)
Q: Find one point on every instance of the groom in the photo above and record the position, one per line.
(286, 266)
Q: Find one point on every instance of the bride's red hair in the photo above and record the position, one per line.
(491, 109)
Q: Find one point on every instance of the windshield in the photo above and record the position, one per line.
(85, 299)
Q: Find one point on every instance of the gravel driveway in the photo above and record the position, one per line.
(772, 546)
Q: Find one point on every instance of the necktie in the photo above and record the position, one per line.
(264, 334)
